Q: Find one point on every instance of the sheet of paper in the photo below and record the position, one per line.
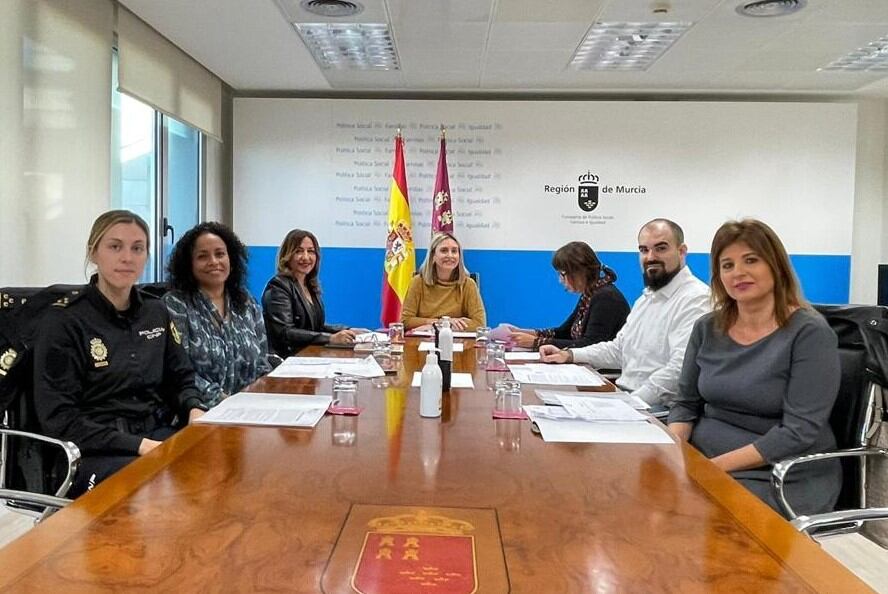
(463, 334)
(427, 346)
(523, 356)
(367, 367)
(555, 375)
(274, 410)
(300, 370)
(551, 397)
(322, 360)
(457, 380)
(421, 332)
(577, 431)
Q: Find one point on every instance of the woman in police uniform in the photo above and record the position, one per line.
(110, 373)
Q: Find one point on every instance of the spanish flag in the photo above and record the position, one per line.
(400, 254)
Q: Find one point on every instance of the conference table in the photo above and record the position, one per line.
(390, 502)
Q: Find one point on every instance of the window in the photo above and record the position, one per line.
(155, 172)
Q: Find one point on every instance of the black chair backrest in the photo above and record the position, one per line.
(31, 467)
(862, 331)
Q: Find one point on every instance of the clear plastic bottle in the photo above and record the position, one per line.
(430, 388)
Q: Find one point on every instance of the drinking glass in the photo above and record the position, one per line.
(396, 333)
(482, 336)
(345, 392)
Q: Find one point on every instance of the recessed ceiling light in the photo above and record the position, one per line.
(332, 8)
(353, 46)
(625, 46)
(872, 57)
(771, 8)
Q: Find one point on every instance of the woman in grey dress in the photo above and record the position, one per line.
(761, 372)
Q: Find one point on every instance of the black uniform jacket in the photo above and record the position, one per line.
(96, 368)
(291, 321)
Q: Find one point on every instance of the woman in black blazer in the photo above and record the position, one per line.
(293, 310)
(600, 312)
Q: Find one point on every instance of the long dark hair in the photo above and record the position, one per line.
(288, 247)
(577, 259)
(764, 242)
(180, 267)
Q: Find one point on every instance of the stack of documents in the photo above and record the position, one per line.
(327, 367)
(585, 419)
(556, 375)
(273, 410)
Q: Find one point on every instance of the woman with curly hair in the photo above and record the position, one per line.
(221, 324)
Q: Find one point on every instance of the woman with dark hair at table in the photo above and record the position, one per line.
(220, 323)
(110, 373)
(600, 312)
(294, 311)
(761, 373)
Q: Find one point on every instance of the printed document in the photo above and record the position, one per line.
(328, 367)
(555, 427)
(274, 410)
(553, 397)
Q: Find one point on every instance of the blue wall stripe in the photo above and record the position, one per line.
(517, 286)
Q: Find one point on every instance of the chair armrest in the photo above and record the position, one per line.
(778, 474)
(72, 454)
(845, 516)
(39, 499)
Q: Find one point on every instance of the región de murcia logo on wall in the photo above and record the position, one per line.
(589, 192)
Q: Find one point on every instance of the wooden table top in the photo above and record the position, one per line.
(265, 510)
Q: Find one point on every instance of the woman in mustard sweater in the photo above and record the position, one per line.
(443, 288)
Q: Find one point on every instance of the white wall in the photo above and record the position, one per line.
(869, 246)
(325, 165)
(55, 126)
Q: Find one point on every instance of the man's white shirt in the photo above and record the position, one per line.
(650, 347)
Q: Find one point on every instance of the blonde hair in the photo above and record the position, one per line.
(764, 242)
(428, 266)
(105, 221)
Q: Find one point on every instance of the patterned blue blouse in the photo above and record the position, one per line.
(228, 355)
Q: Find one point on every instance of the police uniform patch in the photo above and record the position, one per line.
(99, 352)
(175, 332)
(7, 360)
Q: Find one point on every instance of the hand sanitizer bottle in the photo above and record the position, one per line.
(445, 345)
(430, 388)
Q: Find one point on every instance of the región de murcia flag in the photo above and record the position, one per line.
(442, 210)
